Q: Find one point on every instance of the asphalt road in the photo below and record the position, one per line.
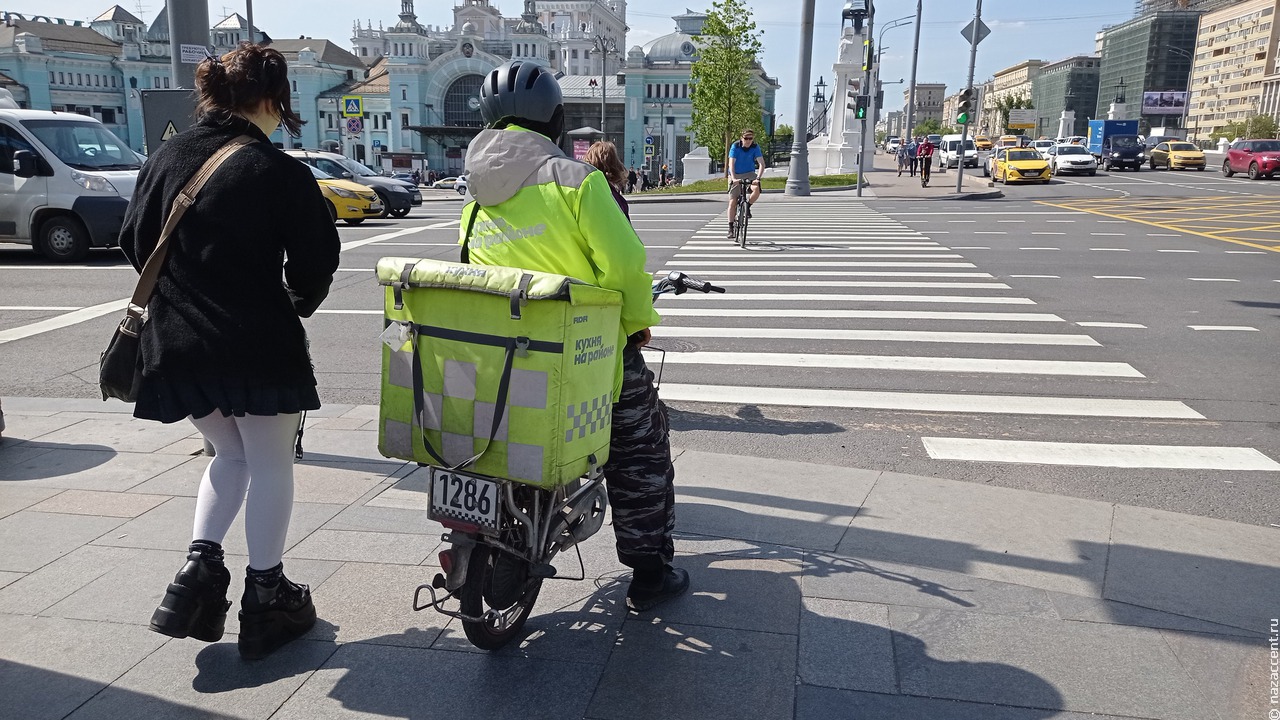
(1021, 342)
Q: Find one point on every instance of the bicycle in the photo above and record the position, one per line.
(926, 162)
(744, 213)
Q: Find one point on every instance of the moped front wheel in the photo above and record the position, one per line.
(500, 590)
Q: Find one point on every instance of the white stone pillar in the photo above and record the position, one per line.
(1118, 111)
(1067, 125)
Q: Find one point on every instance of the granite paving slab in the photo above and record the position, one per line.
(17, 496)
(365, 680)
(93, 502)
(679, 672)
(1045, 664)
(9, 578)
(33, 539)
(89, 467)
(840, 578)
(37, 405)
(386, 519)
(49, 666)
(1214, 570)
(737, 593)
(343, 446)
(820, 703)
(22, 428)
(189, 679)
(336, 483)
(13, 452)
(1013, 536)
(846, 645)
(1090, 609)
(367, 547)
(189, 446)
(168, 527)
(183, 479)
(794, 504)
(119, 434)
(1231, 672)
(42, 589)
(365, 601)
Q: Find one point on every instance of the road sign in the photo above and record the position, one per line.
(1021, 119)
(355, 125)
(648, 150)
(352, 106)
(983, 31)
(377, 143)
(648, 139)
(165, 113)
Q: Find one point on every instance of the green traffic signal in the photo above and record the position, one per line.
(860, 113)
(962, 119)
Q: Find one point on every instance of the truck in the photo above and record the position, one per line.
(1116, 144)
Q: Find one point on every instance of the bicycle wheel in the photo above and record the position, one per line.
(742, 222)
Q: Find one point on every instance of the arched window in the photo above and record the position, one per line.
(458, 110)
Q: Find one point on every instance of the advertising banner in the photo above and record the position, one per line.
(580, 148)
(1163, 103)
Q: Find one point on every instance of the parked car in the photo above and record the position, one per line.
(65, 182)
(452, 183)
(892, 143)
(397, 196)
(1018, 165)
(1176, 155)
(349, 201)
(1068, 158)
(1258, 158)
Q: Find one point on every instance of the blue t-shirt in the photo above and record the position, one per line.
(744, 159)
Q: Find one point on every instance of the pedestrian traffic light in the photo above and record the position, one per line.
(965, 106)
(860, 107)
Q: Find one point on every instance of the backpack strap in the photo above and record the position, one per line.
(466, 236)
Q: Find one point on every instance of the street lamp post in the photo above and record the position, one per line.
(1186, 104)
(604, 46)
(798, 169)
(661, 107)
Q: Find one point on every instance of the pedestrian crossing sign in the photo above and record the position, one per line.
(352, 106)
(648, 150)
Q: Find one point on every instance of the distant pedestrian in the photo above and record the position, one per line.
(913, 162)
(417, 178)
(224, 347)
(604, 157)
(631, 180)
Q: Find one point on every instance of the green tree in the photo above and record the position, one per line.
(1011, 102)
(725, 100)
(928, 126)
(1258, 126)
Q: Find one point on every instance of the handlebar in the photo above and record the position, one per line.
(678, 283)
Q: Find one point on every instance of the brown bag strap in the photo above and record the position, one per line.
(151, 269)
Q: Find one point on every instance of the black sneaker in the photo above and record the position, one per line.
(674, 583)
(748, 211)
(733, 231)
(271, 617)
(195, 604)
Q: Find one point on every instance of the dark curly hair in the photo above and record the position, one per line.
(241, 80)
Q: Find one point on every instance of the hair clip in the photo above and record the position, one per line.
(208, 55)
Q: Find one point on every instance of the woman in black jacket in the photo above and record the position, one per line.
(224, 345)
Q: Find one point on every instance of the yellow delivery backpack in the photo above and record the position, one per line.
(499, 371)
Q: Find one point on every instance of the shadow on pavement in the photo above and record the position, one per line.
(749, 419)
(22, 461)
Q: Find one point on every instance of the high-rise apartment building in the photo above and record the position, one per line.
(1236, 49)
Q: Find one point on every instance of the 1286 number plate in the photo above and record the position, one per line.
(462, 497)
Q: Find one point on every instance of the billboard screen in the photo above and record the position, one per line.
(1163, 103)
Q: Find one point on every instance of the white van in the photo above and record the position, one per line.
(65, 181)
(950, 152)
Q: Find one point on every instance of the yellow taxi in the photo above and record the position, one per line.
(982, 142)
(1177, 155)
(1019, 165)
(349, 201)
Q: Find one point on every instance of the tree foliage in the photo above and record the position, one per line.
(724, 99)
(1258, 126)
(1011, 102)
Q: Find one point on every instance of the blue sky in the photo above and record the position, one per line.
(1020, 30)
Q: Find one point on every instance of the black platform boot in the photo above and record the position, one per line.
(652, 587)
(272, 615)
(195, 604)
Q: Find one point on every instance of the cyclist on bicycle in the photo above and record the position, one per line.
(537, 209)
(924, 152)
(746, 162)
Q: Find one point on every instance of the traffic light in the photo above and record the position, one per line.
(965, 107)
(862, 102)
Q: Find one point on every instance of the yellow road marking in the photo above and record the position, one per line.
(1164, 226)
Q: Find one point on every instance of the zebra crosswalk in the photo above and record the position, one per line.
(847, 308)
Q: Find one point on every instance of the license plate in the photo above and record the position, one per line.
(463, 497)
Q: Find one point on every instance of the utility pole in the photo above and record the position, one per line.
(973, 59)
(189, 27)
(868, 57)
(798, 171)
(911, 91)
(604, 46)
(248, 11)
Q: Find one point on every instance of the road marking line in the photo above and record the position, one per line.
(825, 297)
(1081, 368)
(1111, 249)
(978, 338)
(1107, 234)
(859, 314)
(1047, 233)
(1039, 248)
(853, 273)
(971, 247)
(929, 402)
(765, 258)
(771, 263)
(1213, 279)
(1242, 328)
(54, 323)
(1245, 252)
(962, 221)
(353, 244)
(1011, 221)
(1118, 277)
(38, 308)
(1165, 226)
(1134, 326)
(1047, 277)
(990, 232)
(1171, 457)
(888, 211)
(865, 284)
(1179, 251)
(1163, 235)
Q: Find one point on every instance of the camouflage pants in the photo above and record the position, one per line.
(639, 473)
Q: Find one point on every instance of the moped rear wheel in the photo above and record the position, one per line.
(499, 589)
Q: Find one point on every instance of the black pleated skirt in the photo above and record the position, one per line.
(170, 398)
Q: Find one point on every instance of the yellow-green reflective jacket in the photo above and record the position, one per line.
(541, 210)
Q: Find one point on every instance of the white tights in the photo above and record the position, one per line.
(254, 454)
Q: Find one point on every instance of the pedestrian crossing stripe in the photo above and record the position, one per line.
(169, 131)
